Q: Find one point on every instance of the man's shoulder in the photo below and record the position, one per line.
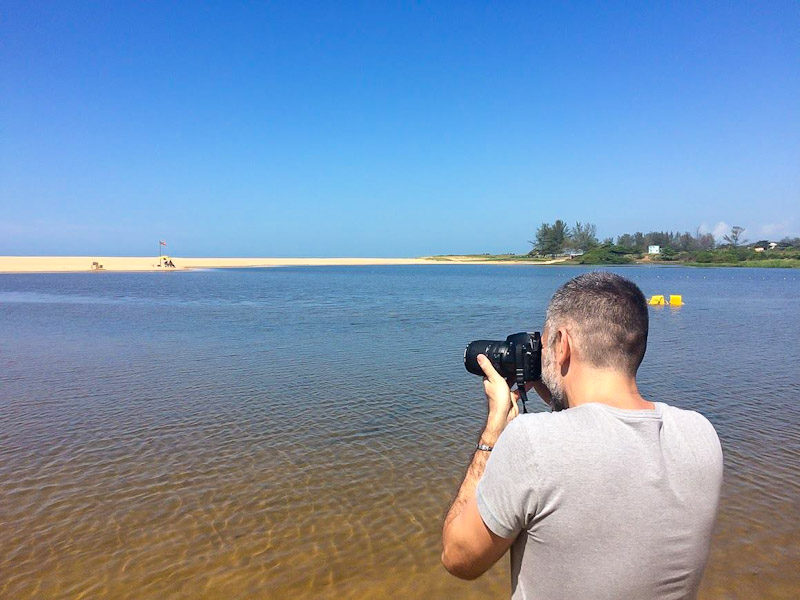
(688, 418)
(593, 416)
(693, 425)
(555, 424)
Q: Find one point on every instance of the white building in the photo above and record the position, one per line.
(654, 249)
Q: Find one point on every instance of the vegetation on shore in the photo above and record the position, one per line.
(578, 245)
(774, 263)
(510, 257)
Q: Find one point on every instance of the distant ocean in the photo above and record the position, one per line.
(300, 431)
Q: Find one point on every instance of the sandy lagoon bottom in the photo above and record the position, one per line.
(216, 513)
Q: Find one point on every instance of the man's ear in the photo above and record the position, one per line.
(563, 349)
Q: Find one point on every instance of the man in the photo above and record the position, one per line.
(607, 496)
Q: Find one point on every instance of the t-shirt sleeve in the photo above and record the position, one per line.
(505, 495)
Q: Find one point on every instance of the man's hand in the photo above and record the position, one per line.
(502, 404)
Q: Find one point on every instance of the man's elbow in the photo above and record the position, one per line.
(459, 567)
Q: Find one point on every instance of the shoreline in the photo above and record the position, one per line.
(83, 264)
(132, 264)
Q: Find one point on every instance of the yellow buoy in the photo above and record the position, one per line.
(657, 301)
(676, 300)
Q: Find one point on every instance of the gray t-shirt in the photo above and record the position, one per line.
(604, 502)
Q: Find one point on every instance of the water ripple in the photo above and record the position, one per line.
(300, 432)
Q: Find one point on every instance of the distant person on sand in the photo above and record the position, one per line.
(606, 496)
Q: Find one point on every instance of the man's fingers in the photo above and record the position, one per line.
(488, 369)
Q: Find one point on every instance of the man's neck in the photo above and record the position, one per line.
(605, 386)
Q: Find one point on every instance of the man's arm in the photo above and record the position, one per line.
(469, 547)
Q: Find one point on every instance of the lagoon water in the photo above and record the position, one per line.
(299, 432)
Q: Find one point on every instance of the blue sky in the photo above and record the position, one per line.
(390, 129)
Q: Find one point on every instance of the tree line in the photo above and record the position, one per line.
(558, 238)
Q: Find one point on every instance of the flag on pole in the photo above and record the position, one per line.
(162, 243)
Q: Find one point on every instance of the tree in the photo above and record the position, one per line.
(550, 238)
(606, 254)
(735, 236)
(667, 254)
(560, 231)
(583, 236)
(705, 241)
(626, 241)
(540, 244)
(686, 242)
(659, 238)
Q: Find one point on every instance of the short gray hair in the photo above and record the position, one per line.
(607, 317)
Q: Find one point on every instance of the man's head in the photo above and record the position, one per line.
(597, 320)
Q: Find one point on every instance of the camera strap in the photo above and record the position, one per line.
(523, 395)
(520, 376)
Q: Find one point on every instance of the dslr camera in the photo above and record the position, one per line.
(518, 359)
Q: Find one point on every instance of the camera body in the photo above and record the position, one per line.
(518, 358)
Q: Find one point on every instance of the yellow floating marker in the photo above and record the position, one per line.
(676, 300)
(657, 301)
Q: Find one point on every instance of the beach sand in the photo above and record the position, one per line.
(56, 264)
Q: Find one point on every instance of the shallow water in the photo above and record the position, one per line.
(299, 432)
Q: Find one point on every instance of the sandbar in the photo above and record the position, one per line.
(62, 264)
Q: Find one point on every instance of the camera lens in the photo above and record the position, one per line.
(498, 352)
